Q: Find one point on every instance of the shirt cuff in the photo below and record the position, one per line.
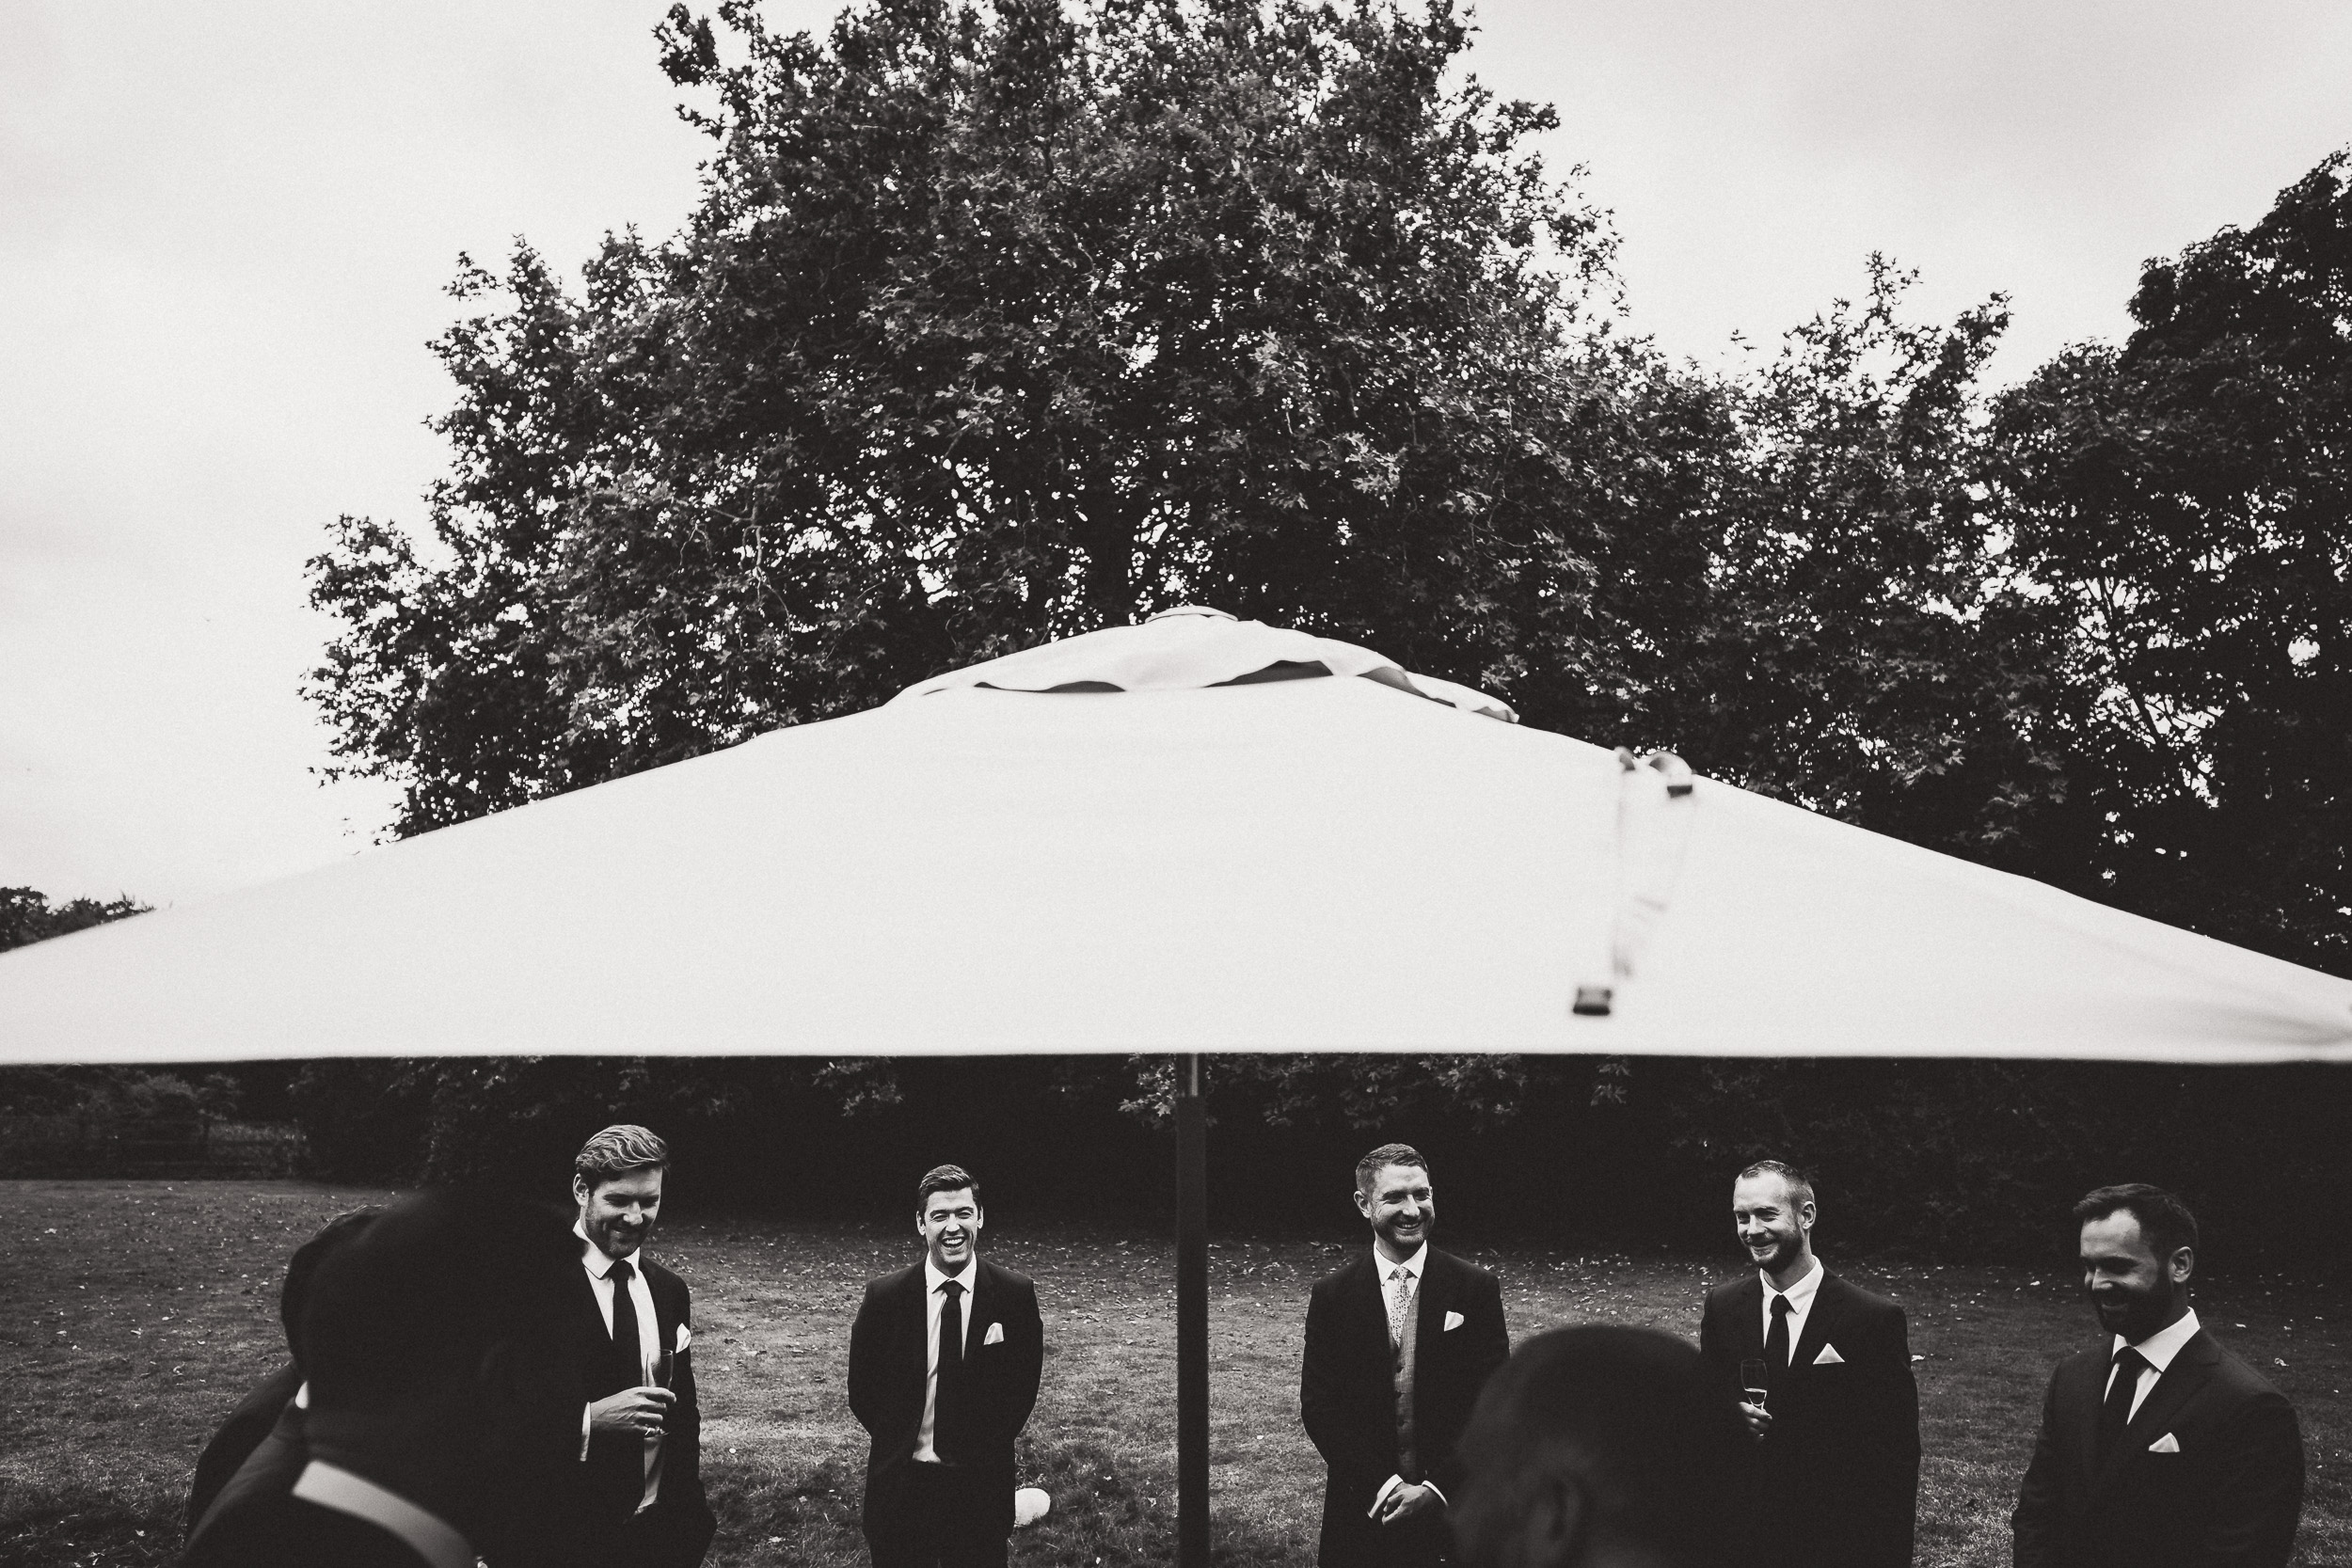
(1394, 1482)
(1443, 1501)
(587, 1413)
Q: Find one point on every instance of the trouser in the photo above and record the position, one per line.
(947, 1517)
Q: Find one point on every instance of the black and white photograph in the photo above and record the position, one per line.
(780, 781)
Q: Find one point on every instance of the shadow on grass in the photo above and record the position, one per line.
(77, 1528)
(1104, 1513)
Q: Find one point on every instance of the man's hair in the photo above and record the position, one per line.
(2164, 1219)
(305, 1264)
(944, 1179)
(1367, 1169)
(1800, 1186)
(411, 1303)
(1627, 1416)
(616, 1152)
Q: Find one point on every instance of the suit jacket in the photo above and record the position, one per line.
(238, 1436)
(889, 1365)
(677, 1531)
(2231, 1495)
(1840, 1464)
(256, 1522)
(1347, 1397)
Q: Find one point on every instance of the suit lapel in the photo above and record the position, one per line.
(1747, 1315)
(1429, 1307)
(979, 1306)
(1819, 1321)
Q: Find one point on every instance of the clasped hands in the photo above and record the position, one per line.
(1405, 1499)
(637, 1412)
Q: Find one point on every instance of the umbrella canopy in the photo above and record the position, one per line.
(1198, 834)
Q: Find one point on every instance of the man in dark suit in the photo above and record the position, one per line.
(945, 1360)
(443, 1409)
(639, 1491)
(1834, 1464)
(1600, 1446)
(2158, 1448)
(1398, 1344)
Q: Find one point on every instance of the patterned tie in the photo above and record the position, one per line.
(1400, 1306)
(628, 1354)
(1400, 1344)
(2116, 1414)
(946, 1402)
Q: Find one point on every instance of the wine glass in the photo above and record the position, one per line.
(1752, 1381)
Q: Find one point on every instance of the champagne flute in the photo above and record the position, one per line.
(1752, 1381)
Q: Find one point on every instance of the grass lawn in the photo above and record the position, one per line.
(134, 1314)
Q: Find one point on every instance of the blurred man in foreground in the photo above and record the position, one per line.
(2158, 1448)
(444, 1413)
(1601, 1447)
(271, 1416)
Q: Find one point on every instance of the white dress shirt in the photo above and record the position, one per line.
(1412, 1267)
(2158, 1350)
(934, 1299)
(600, 1269)
(1799, 1296)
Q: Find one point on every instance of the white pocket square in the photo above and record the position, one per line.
(1453, 1322)
(2166, 1443)
(685, 1338)
(1828, 1357)
(996, 1335)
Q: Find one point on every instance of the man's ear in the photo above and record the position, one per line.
(1554, 1528)
(2180, 1264)
(1363, 1204)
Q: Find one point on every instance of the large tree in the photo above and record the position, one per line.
(2187, 497)
(999, 323)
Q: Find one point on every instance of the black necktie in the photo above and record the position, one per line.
(627, 1355)
(1776, 1343)
(946, 1405)
(2116, 1414)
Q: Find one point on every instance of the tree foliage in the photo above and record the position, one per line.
(2187, 500)
(997, 323)
(26, 915)
(1004, 320)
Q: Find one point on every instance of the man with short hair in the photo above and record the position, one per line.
(1399, 1342)
(1599, 1447)
(443, 1409)
(1833, 1459)
(639, 1477)
(945, 1360)
(2158, 1448)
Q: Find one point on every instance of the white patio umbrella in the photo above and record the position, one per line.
(1104, 844)
(1196, 835)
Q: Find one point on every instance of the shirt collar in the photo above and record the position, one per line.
(430, 1536)
(2159, 1348)
(1411, 1265)
(1799, 1294)
(933, 1278)
(591, 1257)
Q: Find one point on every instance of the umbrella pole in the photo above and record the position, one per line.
(1192, 1318)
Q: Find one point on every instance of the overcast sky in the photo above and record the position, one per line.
(225, 230)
